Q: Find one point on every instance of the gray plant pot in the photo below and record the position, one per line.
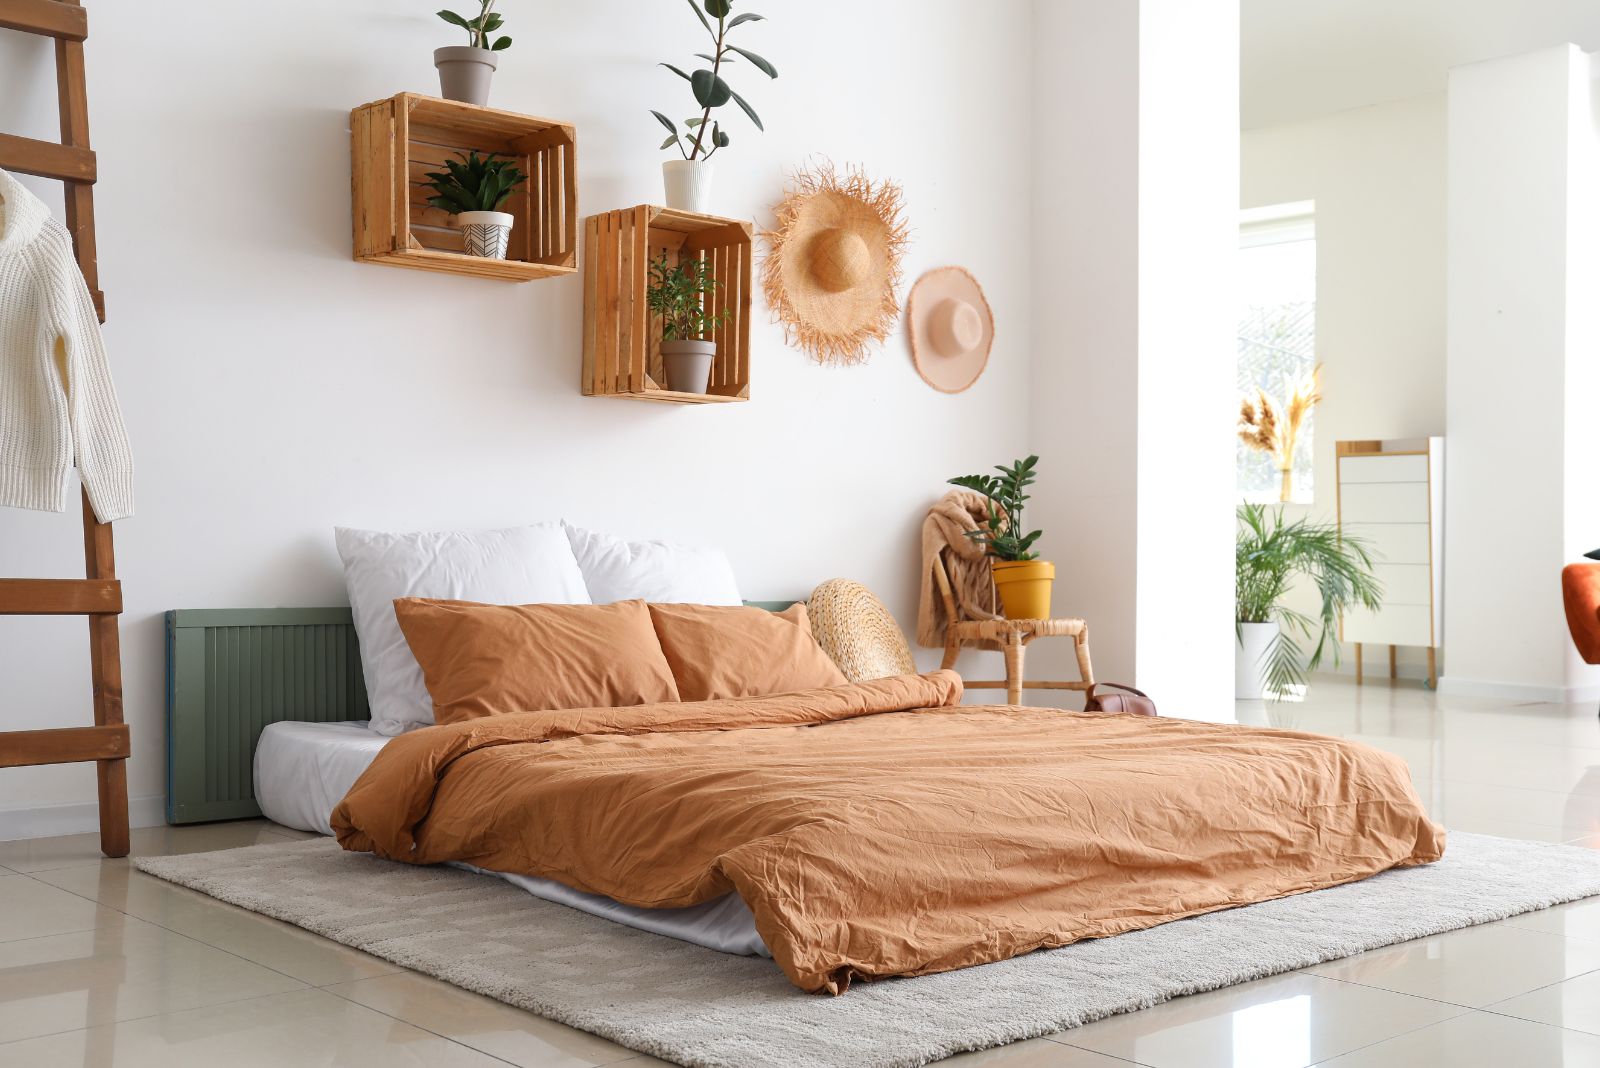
(688, 364)
(465, 72)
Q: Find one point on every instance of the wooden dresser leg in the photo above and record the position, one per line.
(1433, 670)
(1015, 651)
(1393, 671)
(1358, 663)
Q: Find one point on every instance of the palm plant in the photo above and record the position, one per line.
(1270, 554)
(477, 183)
(1001, 535)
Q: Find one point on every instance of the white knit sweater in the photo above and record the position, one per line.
(47, 425)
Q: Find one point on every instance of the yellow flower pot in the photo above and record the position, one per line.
(1024, 587)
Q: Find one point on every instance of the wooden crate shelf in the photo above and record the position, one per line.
(622, 340)
(394, 142)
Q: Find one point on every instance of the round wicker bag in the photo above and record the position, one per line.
(858, 631)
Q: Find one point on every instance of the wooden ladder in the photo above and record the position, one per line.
(98, 595)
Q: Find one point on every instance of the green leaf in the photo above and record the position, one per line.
(494, 23)
(748, 16)
(709, 58)
(692, 123)
(709, 89)
(760, 64)
(748, 110)
(453, 19)
(668, 123)
(669, 142)
(718, 9)
(697, 14)
(501, 45)
(677, 71)
(719, 138)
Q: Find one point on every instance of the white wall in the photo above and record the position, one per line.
(1377, 175)
(1522, 342)
(274, 388)
(1132, 405)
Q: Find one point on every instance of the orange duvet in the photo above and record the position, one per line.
(883, 829)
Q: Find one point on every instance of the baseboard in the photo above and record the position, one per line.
(1455, 686)
(49, 821)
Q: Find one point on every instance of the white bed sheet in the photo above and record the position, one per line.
(303, 770)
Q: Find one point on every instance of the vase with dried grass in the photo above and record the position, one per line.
(1275, 429)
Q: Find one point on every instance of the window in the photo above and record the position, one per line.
(1277, 336)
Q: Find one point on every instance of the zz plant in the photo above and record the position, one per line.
(677, 292)
(704, 134)
(1001, 535)
(478, 29)
(1270, 555)
(477, 183)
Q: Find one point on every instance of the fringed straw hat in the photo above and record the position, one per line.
(834, 264)
(951, 328)
(858, 631)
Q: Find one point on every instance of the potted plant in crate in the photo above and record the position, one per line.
(472, 190)
(1022, 579)
(688, 180)
(1269, 556)
(465, 70)
(677, 293)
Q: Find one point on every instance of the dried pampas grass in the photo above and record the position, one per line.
(1275, 429)
(832, 305)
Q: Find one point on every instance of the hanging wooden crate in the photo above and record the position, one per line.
(395, 142)
(622, 339)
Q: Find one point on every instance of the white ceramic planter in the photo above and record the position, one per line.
(465, 73)
(486, 232)
(1249, 660)
(688, 184)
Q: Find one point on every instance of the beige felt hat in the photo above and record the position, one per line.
(834, 264)
(951, 328)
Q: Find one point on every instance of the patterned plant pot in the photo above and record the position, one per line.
(486, 232)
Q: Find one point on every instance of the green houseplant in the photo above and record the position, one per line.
(465, 70)
(472, 189)
(678, 292)
(1022, 579)
(1270, 555)
(688, 180)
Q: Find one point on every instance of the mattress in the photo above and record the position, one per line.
(302, 770)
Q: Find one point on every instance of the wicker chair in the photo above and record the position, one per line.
(970, 625)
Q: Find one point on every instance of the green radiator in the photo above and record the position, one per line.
(232, 672)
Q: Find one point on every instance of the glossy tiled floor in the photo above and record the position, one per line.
(101, 965)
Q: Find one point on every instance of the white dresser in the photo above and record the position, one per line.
(1391, 495)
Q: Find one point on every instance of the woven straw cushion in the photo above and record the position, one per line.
(858, 631)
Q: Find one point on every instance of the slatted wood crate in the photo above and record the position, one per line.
(622, 339)
(395, 142)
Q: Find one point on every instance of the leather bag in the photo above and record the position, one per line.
(1129, 702)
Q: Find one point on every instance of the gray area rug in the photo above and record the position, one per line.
(707, 1009)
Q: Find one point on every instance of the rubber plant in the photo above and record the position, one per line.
(1270, 555)
(478, 29)
(1001, 535)
(704, 133)
(676, 293)
(473, 183)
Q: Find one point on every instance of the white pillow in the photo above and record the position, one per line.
(618, 570)
(523, 565)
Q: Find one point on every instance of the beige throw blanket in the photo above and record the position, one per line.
(944, 532)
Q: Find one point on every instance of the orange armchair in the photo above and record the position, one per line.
(1580, 592)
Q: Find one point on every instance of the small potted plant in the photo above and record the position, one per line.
(465, 70)
(688, 180)
(1269, 556)
(677, 293)
(1021, 578)
(472, 190)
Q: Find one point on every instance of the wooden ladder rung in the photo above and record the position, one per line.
(68, 745)
(46, 159)
(60, 597)
(66, 22)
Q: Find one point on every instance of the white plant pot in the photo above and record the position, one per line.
(688, 184)
(486, 232)
(1249, 660)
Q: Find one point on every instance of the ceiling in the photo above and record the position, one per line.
(1302, 58)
